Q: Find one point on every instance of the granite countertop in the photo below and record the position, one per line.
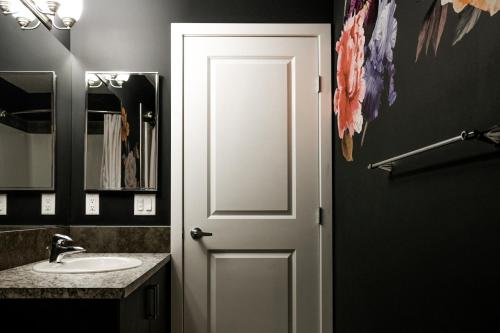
(23, 282)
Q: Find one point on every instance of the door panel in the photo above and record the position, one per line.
(249, 130)
(256, 283)
(251, 179)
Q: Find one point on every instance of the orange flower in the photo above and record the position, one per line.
(125, 130)
(491, 6)
(351, 86)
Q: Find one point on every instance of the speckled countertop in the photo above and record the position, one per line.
(23, 282)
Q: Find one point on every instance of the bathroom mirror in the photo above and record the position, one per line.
(27, 130)
(121, 131)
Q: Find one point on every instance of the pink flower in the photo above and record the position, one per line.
(351, 85)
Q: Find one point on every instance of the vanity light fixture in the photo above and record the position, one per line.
(121, 79)
(115, 80)
(93, 81)
(29, 14)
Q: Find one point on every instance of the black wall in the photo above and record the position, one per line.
(135, 36)
(119, 35)
(39, 50)
(418, 251)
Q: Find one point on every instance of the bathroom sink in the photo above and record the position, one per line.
(88, 265)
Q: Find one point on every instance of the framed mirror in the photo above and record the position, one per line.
(27, 130)
(121, 146)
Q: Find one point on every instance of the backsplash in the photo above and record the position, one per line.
(20, 246)
(147, 239)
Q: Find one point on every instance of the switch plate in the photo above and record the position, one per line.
(145, 204)
(92, 204)
(48, 204)
(3, 204)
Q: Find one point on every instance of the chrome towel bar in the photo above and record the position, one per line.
(491, 136)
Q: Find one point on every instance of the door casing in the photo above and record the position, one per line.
(323, 34)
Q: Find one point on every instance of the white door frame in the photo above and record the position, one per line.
(323, 34)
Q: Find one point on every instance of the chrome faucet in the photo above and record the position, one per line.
(59, 248)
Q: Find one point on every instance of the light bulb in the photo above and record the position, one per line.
(52, 5)
(93, 81)
(48, 6)
(107, 77)
(120, 78)
(42, 5)
(22, 14)
(92, 78)
(70, 11)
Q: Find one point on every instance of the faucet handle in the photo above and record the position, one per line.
(59, 237)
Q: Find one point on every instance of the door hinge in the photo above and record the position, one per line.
(320, 216)
(318, 84)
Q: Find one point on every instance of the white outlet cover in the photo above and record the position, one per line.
(92, 204)
(48, 204)
(145, 204)
(3, 204)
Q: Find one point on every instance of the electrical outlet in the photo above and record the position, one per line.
(3, 204)
(145, 204)
(48, 204)
(92, 204)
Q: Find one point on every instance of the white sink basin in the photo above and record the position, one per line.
(88, 265)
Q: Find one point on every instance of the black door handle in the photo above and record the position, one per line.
(197, 233)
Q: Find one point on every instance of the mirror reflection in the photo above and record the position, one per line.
(27, 130)
(122, 131)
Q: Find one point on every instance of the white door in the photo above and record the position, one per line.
(251, 179)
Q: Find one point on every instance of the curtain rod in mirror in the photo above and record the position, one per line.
(103, 111)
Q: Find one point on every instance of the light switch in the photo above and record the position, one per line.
(140, 204)
(145, 204)
(149, 205)
(48, 204)
(92, 204)
(3, 204)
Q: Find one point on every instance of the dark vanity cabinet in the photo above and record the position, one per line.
(146, 310)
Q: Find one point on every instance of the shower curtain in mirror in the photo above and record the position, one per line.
(111, 153)
(150, 159)
(153, 160)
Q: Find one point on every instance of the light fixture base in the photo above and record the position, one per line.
(53, 6)
(22, 21)
(68, 22)
(5, 6)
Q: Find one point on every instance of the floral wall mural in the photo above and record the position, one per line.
(469, 12)
(351, 85)
(491, 6)
(418, 225)
(364, 72)
(379, 63)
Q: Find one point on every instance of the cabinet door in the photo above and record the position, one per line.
(159, 300)
(148, 308)
(133, 317)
